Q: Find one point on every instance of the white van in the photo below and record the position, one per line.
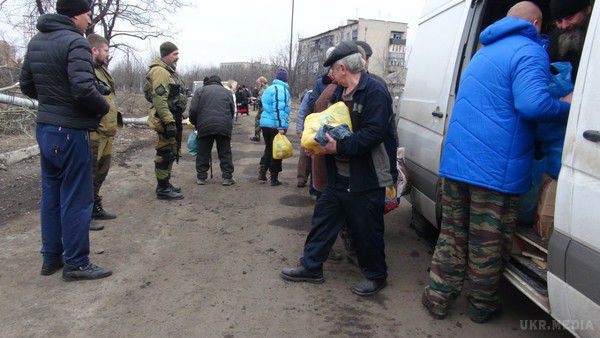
(447, 38)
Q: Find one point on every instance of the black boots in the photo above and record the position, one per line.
(274, 180)
(49, 268)
(369, 287)
(262, 174)
(90, 271)
(168, 193)
(99, 213)
(96, 226)
(302, 274)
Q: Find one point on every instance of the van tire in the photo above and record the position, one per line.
(422, 227)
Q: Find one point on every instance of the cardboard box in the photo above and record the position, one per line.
(544, 219)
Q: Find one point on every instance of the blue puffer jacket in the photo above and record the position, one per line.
(490, 141)
(276, 106)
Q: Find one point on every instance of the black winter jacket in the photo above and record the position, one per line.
(212, 110)
(371, 114)
(57, 71)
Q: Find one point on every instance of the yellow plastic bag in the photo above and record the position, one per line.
(282, 147)
(334, 116)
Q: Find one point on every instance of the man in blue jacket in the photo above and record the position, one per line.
(358, 170)
(57, 71)
(487, 160)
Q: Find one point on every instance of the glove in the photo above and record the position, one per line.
(170, 130)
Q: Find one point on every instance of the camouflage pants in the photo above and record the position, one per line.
(476, 232)
(166, 149)
(102, 156)
(257, 129)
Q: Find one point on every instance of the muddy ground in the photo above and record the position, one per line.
(208, 265)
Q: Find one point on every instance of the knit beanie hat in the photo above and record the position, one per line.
(566, 8)
(72, 8)
(282, 74)
(167, 48)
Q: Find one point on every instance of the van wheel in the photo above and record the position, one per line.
(423, 228)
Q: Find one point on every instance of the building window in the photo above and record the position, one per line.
(397, 38)
(354, 34)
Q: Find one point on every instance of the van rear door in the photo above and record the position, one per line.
(429, 95)
(574, 256)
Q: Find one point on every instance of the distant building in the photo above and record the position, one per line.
(241, 66)
(8, 55)
(386, 38)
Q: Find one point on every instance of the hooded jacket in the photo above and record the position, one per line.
(57, 71)
(276, 106)
(490, 140)
(212, 110)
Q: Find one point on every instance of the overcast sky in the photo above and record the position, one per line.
(241, 30)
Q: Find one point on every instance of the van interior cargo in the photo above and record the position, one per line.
(529, 255)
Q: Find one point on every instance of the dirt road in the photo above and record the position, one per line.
(208, 265)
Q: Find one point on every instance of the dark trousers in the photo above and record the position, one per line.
(267, 160)
(205, 145)
(67, 193)
(363, 213)
(304, 166)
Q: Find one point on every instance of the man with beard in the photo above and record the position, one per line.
(102, 138)
(571, 18)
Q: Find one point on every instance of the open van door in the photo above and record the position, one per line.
(429, 94)
(574, 256)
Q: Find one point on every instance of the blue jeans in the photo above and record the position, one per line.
(363, 213)
(67, 193)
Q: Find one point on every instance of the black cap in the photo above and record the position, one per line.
(167, 48)
(566, 8)
(72, 8)
(366, 47)
(342, 50)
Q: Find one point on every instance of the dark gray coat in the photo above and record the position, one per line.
(212, 110)
(57, 71)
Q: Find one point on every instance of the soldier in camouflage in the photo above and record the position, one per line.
(262, 85)
(166, 91)
(102, 139)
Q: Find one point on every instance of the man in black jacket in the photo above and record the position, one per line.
(212, 111)
(358, 170)
(57, 71)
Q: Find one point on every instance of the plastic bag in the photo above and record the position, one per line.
(192, 143)
(333, 116)
(337, 133)
(561, 83)
(282, 147)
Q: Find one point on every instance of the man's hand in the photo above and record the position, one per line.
(309, 152)
(567, 98)
(330, 147)
(282, 132)
(170, 130)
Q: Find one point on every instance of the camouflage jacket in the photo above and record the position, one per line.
(167, 93)
(109, 122)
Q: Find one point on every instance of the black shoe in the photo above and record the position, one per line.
(368, 287)
(168, 194)
(101, 214)
(228, 182)
(49, 268)
(436, 311)
(301, 184)
(262, 174)
(274, 181)
(175, 188)
(90, 271)
(301, 274)
(95, 226)
(255, 139)
(201, 181)
(481, 317)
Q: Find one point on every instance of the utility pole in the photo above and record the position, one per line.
(291, 40)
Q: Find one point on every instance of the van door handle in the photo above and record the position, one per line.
(592, 135)
(437, 114)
